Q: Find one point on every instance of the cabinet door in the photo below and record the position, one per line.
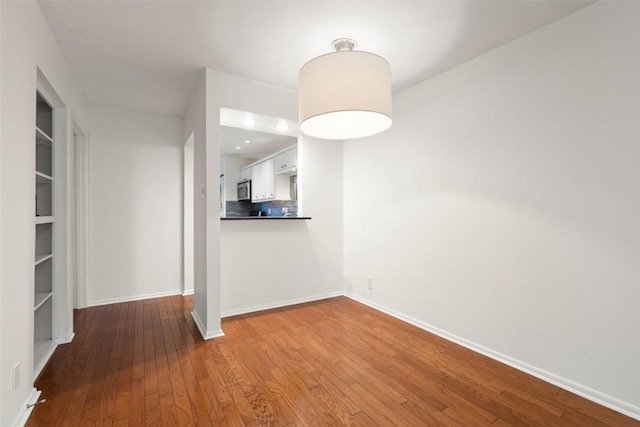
(245, 174)
(287, 161)
(257, 182)
(269, 178)
(263, 181)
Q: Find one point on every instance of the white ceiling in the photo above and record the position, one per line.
(260, 144)
(145, 55)
(264, 134)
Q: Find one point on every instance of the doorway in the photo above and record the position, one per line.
(188, 230)
(78, 216)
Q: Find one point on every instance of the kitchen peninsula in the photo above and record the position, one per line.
(260, 218)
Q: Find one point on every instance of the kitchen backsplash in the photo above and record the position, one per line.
(240, 208)
(293, 187)
(278, 208)
(271, 208)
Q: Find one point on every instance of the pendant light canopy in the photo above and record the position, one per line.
(345, 94)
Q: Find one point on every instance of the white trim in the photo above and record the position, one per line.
(67, 339)
(80, 189)
(188, 272)
(23, 415)
(270, 306)
(40, 133)
(564, 383)
(205, 335)
(62, 312)
(44, 220)
(134, 298)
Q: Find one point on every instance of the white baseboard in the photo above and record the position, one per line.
(270, 306)
(564, 383)
(24, 413)
(187, 292)
(133, 298)
(66, 339)
(203, 331)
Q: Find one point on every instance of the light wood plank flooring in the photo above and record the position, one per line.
(333, 362)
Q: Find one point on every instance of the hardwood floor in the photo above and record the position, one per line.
(333, 362)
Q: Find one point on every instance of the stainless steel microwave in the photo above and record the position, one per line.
(244, 190)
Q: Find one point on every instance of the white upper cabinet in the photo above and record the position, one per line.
(265, 185)
(245, 174)
(262, 181)
(287, 162)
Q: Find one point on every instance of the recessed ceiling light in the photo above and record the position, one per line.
(283, 127)
(249, 121)
(247, 141)
(237, 147)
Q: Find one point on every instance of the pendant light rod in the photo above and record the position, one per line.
(343, 45)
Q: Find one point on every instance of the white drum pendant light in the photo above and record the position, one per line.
(345, 94)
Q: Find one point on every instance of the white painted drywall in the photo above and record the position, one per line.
(135, 205)
(2, 373)
(319, 245)
(187, 217)
(502, 206)
(27, 44)
(267, 263)
(195, 123)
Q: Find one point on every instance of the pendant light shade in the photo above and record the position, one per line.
(345, 94)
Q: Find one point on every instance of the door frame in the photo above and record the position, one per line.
(187, 216)
(79, 154)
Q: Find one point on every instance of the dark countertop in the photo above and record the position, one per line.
(251, 218)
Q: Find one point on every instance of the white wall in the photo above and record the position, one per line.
(195, 125)
(135, 205)
(273, 263)
(219, 272)
(2, 374)
(229, 91)
(27, 45)
(502, 207)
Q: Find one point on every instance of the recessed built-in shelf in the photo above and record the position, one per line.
(41, 347)
(44, 219)
(42, 178)
(42, 137)
(41, 298)
(42, 258)
(44, 342)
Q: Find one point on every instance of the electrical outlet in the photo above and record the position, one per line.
(15, 377)
(370, 283)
